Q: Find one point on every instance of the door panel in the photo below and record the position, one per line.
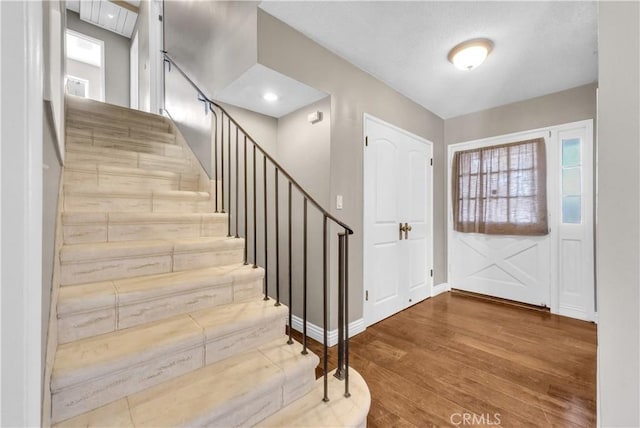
(397, 190)
(507, 267)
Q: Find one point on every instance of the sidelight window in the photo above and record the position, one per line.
(501, 190)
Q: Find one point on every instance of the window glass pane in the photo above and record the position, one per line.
(571, 152)
(571, 181)
(571, 209)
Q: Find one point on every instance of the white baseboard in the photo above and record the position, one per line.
(317, 333)
(440, 288)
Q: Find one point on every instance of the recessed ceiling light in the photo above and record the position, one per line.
(270, 96)
(110, 15)
(470, 54)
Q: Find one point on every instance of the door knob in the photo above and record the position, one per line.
(406, 228)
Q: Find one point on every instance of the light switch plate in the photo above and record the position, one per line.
(339, 202)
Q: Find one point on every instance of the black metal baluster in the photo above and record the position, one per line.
(246, 211)
(290, 341)
(277, 240)
(229, 176)
(304, 280)
(255, 208)
(215, 154)
(221, 162)
(236, 214)
(325, 308)
(266, 224)
(340, 370)
(346, 314)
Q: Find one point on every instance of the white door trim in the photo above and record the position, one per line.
(21, 201)
(366, 256)
(552, 155)
(134, 72)
(156, 60)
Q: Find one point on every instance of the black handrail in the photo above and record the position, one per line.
(272, 160)
(233, 211)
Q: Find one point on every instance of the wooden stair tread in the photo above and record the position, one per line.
(118, 191)
(238, 391)
(104, 250)
(96, 356)
(83, 297)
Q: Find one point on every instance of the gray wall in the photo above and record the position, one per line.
(262, 128)
(220, 43)
(116, 51)
(304, 149)
(618, 214)
(353, 93)
(548, 110)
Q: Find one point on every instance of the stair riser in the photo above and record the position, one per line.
(127, 159)
(95, 392)
(149, 123)
(129, 267)
(124, 314)
(85, 106)
(219, 348)
(103, 232)
(112, 142)
(111, 180)
(82, 203)
(76, 127)
(246, 414)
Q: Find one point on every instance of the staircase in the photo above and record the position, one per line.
(160, 321)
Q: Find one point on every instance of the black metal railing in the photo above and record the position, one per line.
(233, 186)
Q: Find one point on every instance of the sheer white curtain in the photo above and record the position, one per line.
(501, 190)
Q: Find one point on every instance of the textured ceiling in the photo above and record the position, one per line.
(540, 47)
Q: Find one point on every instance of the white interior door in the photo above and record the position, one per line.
(133, 63)
(398, 189)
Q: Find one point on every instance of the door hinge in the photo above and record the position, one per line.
(366, 141)
(431, 273)
(366, 295)
(431, 161)
(160, 18)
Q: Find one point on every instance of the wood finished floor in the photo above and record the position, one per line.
(455, 354)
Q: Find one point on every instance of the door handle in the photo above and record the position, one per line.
(407, 229)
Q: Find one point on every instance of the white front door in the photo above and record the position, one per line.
(397, 192)
(555, 270)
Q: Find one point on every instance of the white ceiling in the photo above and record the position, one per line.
(119, 17)
(247, 92)
(540, 47)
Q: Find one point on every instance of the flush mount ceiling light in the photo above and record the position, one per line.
(470, 54)
(270, 97)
